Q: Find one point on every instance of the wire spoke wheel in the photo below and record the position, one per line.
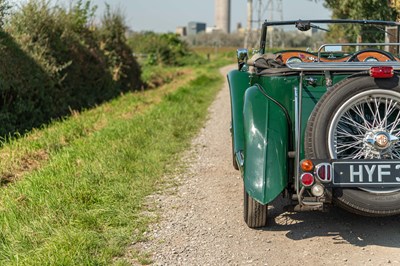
(367, 126)
(362, 121)
(359, 119)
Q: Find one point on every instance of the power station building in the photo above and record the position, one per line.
(222, 21)
(223, 15)
(181, 31)
(195, 28)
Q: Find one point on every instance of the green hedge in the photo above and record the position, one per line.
(54, 60)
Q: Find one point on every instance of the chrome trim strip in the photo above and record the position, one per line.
(298, 109)
(341, 66)
(312, 203)
(239, 159)
(296, 137)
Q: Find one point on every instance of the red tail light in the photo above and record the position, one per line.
(382, 72)
(307, 179)
(324, 172)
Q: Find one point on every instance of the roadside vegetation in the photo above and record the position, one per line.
(72, 190)
(56, 59)
(81, 183)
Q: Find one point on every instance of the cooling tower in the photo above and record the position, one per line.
(223, 15)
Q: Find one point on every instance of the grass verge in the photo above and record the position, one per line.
(81, 200)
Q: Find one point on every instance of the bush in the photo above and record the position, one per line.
(162, 49)
(55, 60)
(121, 62)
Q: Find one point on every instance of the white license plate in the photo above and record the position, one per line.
(366, 173)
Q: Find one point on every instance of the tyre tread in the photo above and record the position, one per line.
(255, 213)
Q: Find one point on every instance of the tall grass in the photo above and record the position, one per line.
(83, 203)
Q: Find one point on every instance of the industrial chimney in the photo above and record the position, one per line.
(223, 15)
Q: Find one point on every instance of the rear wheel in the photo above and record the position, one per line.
(255, 214)
(359, 118)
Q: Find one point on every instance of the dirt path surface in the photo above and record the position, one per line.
(202, 223)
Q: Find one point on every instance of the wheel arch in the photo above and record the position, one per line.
(266, 147)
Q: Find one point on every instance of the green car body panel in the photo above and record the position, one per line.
(266, 146)
(239, 81)
(260, 127)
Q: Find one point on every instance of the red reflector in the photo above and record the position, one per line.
(307, 179)
(324, 172)
(381, 72)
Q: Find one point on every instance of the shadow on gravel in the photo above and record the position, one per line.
(341, 226)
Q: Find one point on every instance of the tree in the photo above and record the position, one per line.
(4, 11)
(396, 5)
(356, 9)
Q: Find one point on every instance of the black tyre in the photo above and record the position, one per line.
(255, 214)
(342, 125)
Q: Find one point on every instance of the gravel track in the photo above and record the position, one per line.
(202, 222)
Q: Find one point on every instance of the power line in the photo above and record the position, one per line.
(271, 7)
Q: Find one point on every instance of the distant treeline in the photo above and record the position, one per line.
(55, 59)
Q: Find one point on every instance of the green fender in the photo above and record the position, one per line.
(266, 147)
(238, 83)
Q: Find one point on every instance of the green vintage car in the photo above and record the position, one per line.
(319, 127)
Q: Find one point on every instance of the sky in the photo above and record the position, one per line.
(166, 15)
